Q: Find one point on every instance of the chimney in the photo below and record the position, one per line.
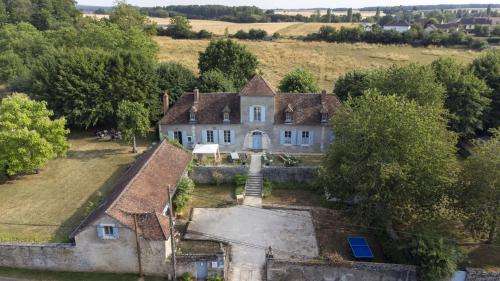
(323, 97)
(166, 102)
(196, 95)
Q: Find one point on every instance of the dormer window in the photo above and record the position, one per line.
(288, 117)
(192, 116)
(225, 114)
(226, 117)
(324, 117)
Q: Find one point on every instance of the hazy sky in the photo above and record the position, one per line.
(288, 4)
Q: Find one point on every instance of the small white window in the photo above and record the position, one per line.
(257, 113)
(226, 117)
(288, 137)
(107, 231)
(227, 136)
(210, 136)
(288, 117)
(192, 116)
(305, 137)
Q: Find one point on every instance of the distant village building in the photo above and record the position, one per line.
(399, 26)
(469, 24)
(256, 118)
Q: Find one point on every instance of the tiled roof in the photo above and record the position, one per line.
(210, 109)
(142, 192)
(306, 107)
(398, 23)
(258, 87)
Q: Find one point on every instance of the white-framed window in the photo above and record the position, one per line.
(288, 137)
(305, 137)
(226, 117)
(107, 231)
(288, 117)
(192, 116)
(324, 117)
(227, 136)
(257, 113)
(210, 136)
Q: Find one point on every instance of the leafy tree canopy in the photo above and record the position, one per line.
(487, 67)
(133, 120)
(466, 96)
(128, 17)
(215, 81)
(480, 188)
(231, 58)
(394, 157)
(176, 79)
(28, 136)
(299, 81)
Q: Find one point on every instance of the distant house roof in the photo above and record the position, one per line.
(399, 23)
(257, 87)
(210, 106)
(142, 192)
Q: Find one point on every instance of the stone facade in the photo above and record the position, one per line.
(257, 123)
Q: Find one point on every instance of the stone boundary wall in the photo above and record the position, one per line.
(203, 174)
(475, 274)
(49, 256)
(349, 271)
(290, 174)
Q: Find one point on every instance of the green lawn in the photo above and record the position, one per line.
(60, 193)
(70, 276)
(209, 196)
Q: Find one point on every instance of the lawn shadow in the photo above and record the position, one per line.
(86, 155)
(63, 232)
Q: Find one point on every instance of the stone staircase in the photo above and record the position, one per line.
(253, 186)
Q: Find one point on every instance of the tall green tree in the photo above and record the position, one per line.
(128, 17)
(480, 188)
(86, 85)
(487, 67)
(28, 135)
(231, 58)
(133, 120)
(176, 79)
(215, 81)
(179, 27)
(466, 96)
(352, 84)
(299, 81)
(392, 157)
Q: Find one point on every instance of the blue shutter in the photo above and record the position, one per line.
(203, 136)
(311, 137)
(233, 136)
(263, 113)
(250, 113)
(184, 139)
(282, 137)
(299, 137)
(170, 134)
(294, 138)
(221, 137)
(116, 232)
(100, 232)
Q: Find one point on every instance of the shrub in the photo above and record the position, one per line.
(299, 81)
(215, 81)
(291, 161)
(268, 187)
(240, 179)
(184, 190)
(239, 190)
(216, 277)
(218, 177)
(204, 34)
(186, 276)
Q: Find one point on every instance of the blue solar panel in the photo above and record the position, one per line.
(360, 248)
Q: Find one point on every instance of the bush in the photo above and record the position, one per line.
(215, 278)
(276, 36)
(215, 81)
(291, 161)
(218, 177)
(268, 187)
(184, 189)
(299, 81)
(240, 180)
(434, 257)
(186, 276)
(204, 34)
(239, 190)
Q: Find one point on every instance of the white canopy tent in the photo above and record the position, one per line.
(212, 149)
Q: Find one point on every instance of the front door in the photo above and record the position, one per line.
(178, 136)
(257, 140)
(201, 270)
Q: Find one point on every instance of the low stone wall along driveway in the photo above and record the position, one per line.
(251, 230)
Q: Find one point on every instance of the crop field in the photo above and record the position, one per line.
(219, 27)
(327, 60)
(309, 12)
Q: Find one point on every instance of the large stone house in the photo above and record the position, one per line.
(256, 118)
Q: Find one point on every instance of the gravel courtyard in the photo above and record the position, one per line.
(251, 230)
